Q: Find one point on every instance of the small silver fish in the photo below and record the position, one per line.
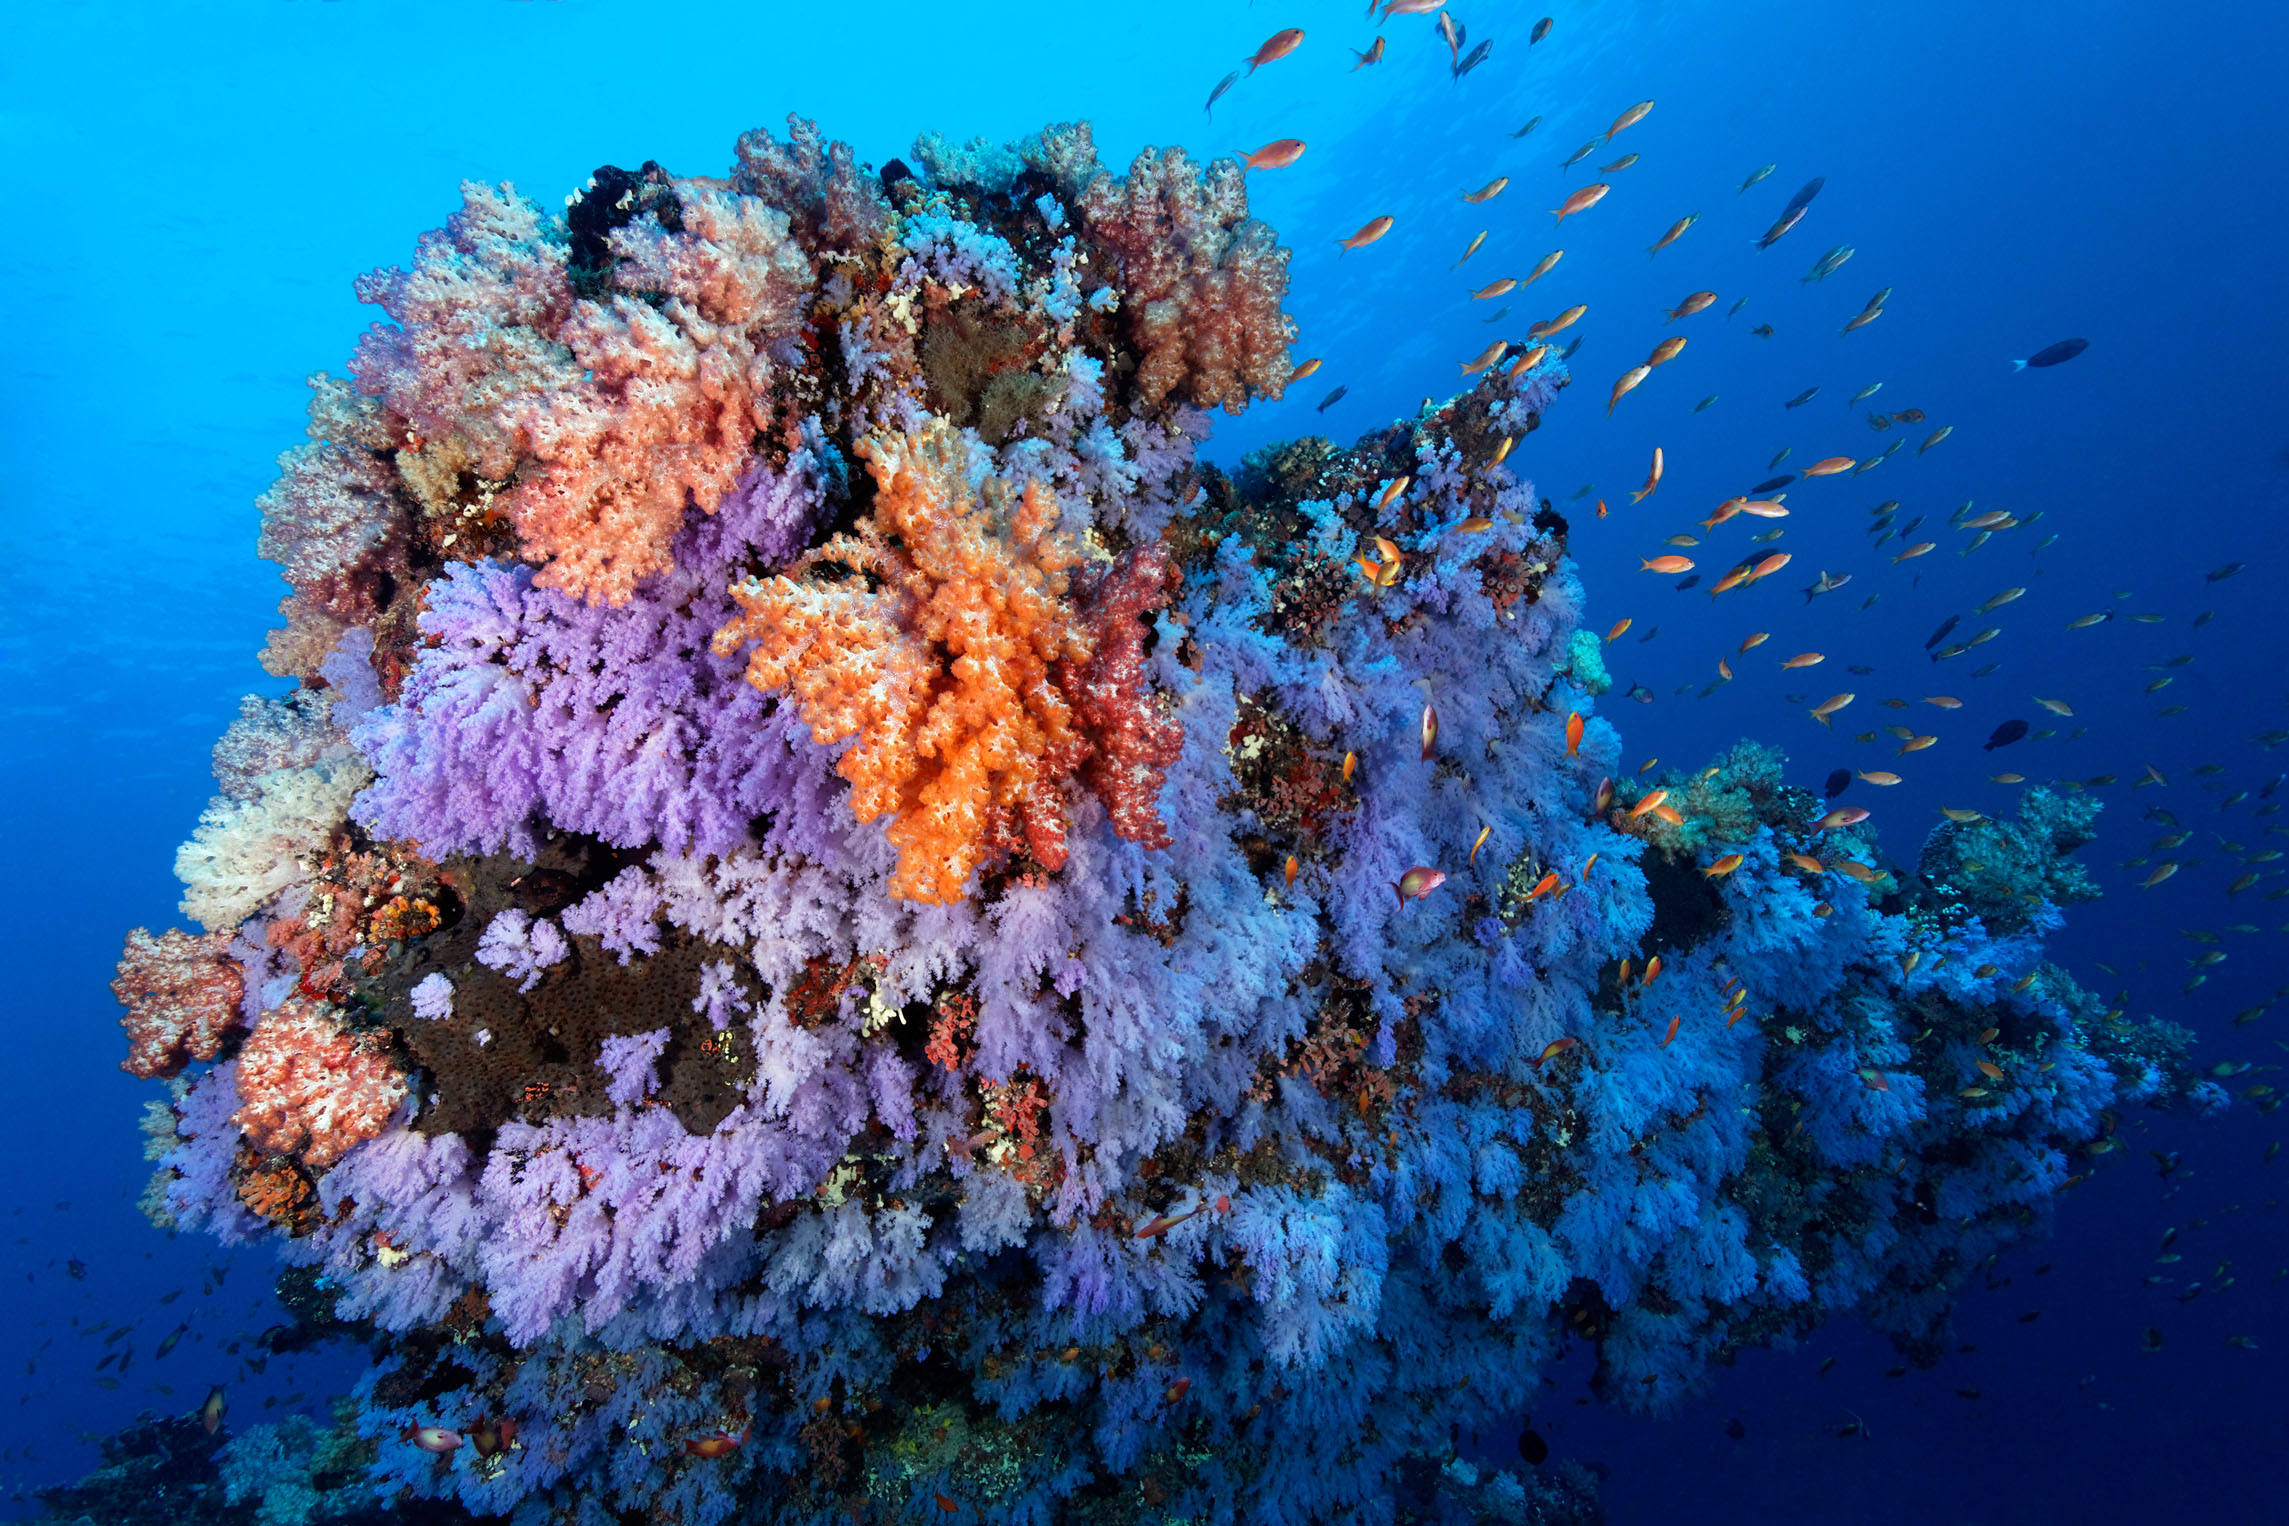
(1217, 94)
(1756, 175)
(1861, 396)
(1828, 264)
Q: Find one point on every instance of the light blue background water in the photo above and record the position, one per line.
(190, 189)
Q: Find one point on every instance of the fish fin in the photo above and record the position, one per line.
(2018, 365)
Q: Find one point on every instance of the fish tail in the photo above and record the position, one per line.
(2018, 365)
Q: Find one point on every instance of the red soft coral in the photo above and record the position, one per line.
(182, 997)
(1202, 279)
(1134, 738)
(308, 1086)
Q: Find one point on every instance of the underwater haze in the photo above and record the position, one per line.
(1049, 763)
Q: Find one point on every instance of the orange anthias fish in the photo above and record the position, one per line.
(1488, 191)
(1574, 729)
(1652, 479)
(1373, 55)
(1764, 508)
(1619, 626)
(1667, 566)
(1830, 467)
(1277, 46)
(1756, 638)
(1499, 288)
(1416, 883)
(1804, 660)
(1770, 565)
(1276, 155)
(715, 1443)
(1722, 867)
(1731, 580)
(1542, 266)
(1581, 201)
(1548, 884)
(1652, 968)
(1830, 706)
(1629, 380)
(1430, 731)
(1289, 870)
(1554, 1048)
(1675, 229)
(1564, 320)
(1483, 834)
(1629, 118)
(1694, 302)
(1671, 1034)
(1666, 350)
(1487, 357)
(1370, 231)
(1652, 802)
(1525, 363)
(1304, 370)
(1918, 549)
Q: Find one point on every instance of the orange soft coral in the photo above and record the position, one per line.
(308, 1086)
(943, 668)
(182, 997)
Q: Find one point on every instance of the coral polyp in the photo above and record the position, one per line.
(817, 935)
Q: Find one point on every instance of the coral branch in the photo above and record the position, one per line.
(182, 997)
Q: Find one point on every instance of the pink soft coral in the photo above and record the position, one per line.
(1133, 739)
(1202, 279)
(309, 1087)
(182, 997)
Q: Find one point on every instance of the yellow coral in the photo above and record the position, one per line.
(937, 653)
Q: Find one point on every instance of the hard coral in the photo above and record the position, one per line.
(310, 1087)
(944, 671)
(182, 997)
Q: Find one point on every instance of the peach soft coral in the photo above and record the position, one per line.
(182, 996)
(938, 654)
(309, 1086)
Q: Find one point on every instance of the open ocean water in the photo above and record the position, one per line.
(194, 188)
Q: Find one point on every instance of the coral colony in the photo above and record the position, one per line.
(840, 929)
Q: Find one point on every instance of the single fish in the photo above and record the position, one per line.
(1828, 264)
(1369, 231)
(1704, 402)
(1542, 267)
(1629, 118)
(1756, 175)
(1652, 479)
(1669, 566)
(1277, 46)
(1627, 383)
(1488, 191)
(1863, 318)
(1861, 396)
(1675, 228)
(1828, 582)
(1666, 351)
(1417, 883)
(1488, 357)
(1373, 55)
(1331, 399)
(1501, 288)
(2005, 734)
(1581, 201)
(1801, 398)
(1698, 301)
(1541, 30)
(1839, 781)
(1774, 234)
(1276, 155)
(1940, 635)
(1773, 484)
(1763, 331)
(1474, 58)
(1737, 306)
(1803, 198)
(1829, 467)
(1523, 131)
(1559, 324)
(1473, 249)
(1579, 154)
(1615, 168)
(2053, 354)
(1217, 94)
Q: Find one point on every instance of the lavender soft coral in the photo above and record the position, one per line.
(1139, 1155)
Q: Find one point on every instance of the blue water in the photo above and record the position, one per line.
(191, 190)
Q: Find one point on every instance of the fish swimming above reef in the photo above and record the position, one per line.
(2053, 354)
(600, 996)
(1331, 399)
